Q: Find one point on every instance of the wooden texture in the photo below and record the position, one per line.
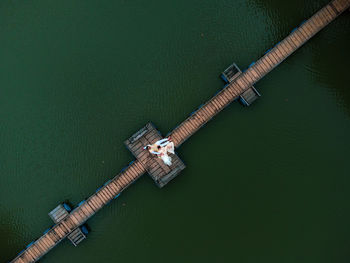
(154, 166)
(258, 70)
(181, 133)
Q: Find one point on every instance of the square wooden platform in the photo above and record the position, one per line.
(160, 172)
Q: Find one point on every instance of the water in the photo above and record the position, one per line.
(79, 77)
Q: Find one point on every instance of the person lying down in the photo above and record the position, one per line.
(161, 149)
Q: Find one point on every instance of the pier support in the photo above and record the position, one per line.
(248, 96)
(61, 212)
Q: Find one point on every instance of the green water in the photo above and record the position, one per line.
(268, 183)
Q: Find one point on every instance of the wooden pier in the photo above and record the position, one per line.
(239, 85)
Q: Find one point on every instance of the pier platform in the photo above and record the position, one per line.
(159, 172)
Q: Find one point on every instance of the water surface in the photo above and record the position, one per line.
(268, 183)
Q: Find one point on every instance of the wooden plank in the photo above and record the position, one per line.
(326, 15)
(157, 170)
(302, 36)
(104, 199)
(111, 188)
(292, 43)
(122, 181)
(78, 214)
(270, 64)
(337, 6)
(254, 73)
(197, 122)
(206, 113)
(184, 130)
(314, 24)
(290, 46)
(127, 175)
(236, 88)
(117, 186)
(251, 77)
(191, 124)
(274, 55)
(110, 191)
(92, 203)
(284, 49)
(51, 235)
(304, 32)
(97, 200)
(134, 172)
(334, 8)
(89, 208)
(319, 19)
(297, 38)
(331, 12)
(83, 212)
(19, 260)
(40, 248)
(74, 219)
(323, 18)
(248, 82)
(150, 135)
(153, 137)
(234, 91)
(59, 232)
(28, 256)
(240, 83)
(271, 59)
(215, 103)
(229, 89)
(264, 65)
(259, 68)
(225, 98)
(305, 27)
(48, 240)
(63, 228)
(230, 93)
(36, 250)
(31, 253)
(293, 39)
(210, 109)
(219, 102)
(310, 27)
(107, 194)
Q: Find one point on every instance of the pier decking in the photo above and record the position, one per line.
(240, 84)
(160, 172)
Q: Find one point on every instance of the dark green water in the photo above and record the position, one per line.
(79, 77)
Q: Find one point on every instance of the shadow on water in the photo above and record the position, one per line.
(11, 242)
(329, 49)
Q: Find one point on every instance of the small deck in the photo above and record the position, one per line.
(59, 214)
(160, 172)
(248, 96)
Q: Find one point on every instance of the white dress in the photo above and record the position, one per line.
(164, 153)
